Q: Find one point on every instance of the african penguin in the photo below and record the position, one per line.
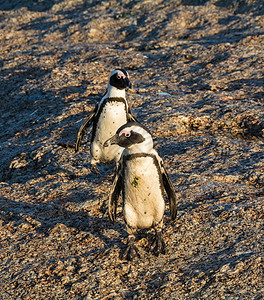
(142, 179)
(109, 114)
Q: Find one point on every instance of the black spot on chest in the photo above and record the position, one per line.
(131, 157)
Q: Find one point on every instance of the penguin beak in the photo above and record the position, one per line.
(112, 141)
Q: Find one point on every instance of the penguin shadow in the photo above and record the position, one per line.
(43, 216)
(45, 219)
(22, 167)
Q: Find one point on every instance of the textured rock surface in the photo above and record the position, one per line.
(198, 85)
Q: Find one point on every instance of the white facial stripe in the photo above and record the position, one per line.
(140, 130)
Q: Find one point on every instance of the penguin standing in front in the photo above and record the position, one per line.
(142, 179)
(109, 114)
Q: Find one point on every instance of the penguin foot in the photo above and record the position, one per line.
(94, 169)
(158, 245)
(131, 250)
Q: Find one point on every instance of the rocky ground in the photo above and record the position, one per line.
(198, 85)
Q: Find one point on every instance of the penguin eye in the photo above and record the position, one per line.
(127, 134)
(118, 76)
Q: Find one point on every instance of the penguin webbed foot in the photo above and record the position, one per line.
(131, 250)
(157, 245)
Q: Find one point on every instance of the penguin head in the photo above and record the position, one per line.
(132, 136)
(119, 79)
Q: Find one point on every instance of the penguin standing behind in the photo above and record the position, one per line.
(142, 179)
(109, 114)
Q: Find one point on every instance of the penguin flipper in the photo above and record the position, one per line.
(170, 192)
(113, 198)
(82, 131)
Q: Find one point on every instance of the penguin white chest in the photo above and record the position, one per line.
(143, 197)
(112, 117)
